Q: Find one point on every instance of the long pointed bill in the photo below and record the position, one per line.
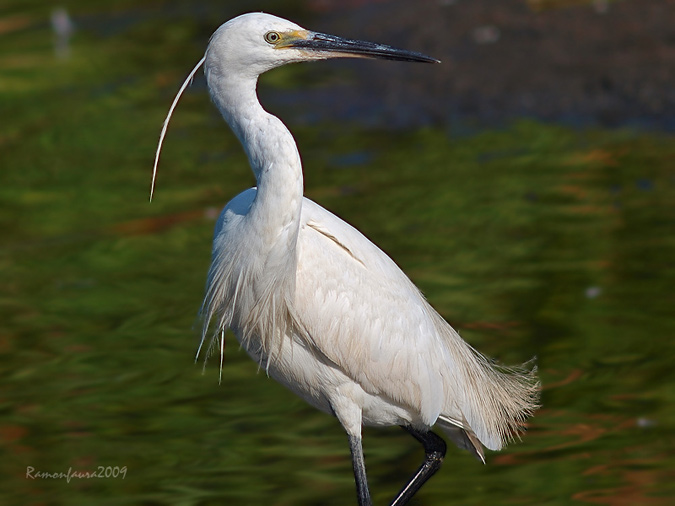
(331, 46)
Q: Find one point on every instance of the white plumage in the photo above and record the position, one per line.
(320, 307)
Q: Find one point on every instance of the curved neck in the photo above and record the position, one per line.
(271, 151)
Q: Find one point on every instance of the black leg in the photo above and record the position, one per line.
(434, 449)
(360, 471)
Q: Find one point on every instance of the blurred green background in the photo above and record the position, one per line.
(526, 185)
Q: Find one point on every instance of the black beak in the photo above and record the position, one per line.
(338, 46)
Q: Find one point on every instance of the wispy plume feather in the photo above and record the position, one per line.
(183, 87)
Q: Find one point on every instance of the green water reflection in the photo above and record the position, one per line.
(531, 240)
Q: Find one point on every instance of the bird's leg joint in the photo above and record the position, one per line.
(434, 449)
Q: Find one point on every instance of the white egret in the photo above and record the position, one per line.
(314, 302)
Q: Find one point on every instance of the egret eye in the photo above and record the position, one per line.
(272, 37)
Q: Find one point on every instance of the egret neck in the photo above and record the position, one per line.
(272, 154)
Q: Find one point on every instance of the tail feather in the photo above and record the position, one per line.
(488, 401)
(463, 437)
(497, 401)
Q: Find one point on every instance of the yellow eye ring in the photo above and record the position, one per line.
(272, 37)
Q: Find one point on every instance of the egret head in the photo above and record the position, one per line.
(254, 43)
(251, 44)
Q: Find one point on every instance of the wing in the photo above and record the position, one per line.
(366, 316)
